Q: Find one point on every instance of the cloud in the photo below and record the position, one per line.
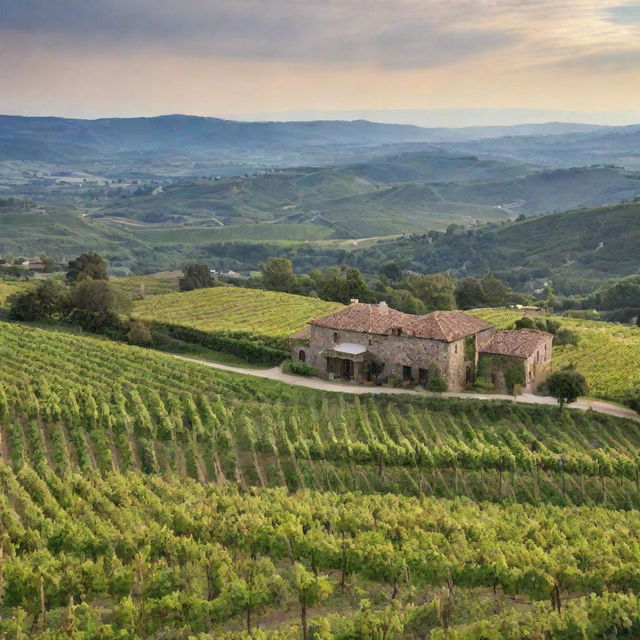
(399, 33)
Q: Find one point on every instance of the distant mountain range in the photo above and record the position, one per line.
(190, 145)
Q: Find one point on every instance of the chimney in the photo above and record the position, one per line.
(354, 301)
(383, 307)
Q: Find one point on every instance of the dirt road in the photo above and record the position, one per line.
(345, 387)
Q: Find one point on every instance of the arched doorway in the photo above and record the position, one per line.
(302, 356)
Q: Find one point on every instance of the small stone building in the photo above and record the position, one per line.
(520, 357)
(371, 342)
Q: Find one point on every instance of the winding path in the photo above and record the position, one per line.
(325, 385)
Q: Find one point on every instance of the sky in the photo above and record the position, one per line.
(453, 62)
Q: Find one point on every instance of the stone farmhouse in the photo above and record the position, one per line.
(373, 342)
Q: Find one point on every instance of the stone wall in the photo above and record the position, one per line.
(538, 365)
(395, 352)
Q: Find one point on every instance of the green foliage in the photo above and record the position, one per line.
(565, 336)
(436, 383)
(299, 368)
(88, 266)
(139, 333)
(195, 276)
(48, 300)
(435, 291)
(95, 305)
(340, 284)
(277, 275)
(566, 385)
(245, 345)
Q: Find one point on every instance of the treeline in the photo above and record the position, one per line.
(86, 299)
(402, 290)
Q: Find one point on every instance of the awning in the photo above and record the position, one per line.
(347, 349)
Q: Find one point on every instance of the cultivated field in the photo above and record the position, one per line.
(235, 309)
(177, 500)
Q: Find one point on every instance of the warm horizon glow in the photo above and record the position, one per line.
(250, 58)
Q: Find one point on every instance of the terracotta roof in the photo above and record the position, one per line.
(521, 343)
(448, 325)
(382, 320)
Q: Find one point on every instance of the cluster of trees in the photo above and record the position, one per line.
(406, 291)
(85, 298)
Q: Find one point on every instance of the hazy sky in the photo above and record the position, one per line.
(232, 58)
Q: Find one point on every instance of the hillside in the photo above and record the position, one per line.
(410, 192)
(603, 145)
(578, 250)
(163, 491)
(267, 313)
(607, 354)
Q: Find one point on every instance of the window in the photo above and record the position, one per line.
(335, 336)
(455, 349)
(302, 356)
(370, 341)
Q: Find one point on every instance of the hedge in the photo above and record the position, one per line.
(242, 344)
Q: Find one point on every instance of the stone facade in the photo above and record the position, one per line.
(528, 350)
(333, 351)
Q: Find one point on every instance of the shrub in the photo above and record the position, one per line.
(565, 336)
(139, 333)
(50, 299)
(437, 383)
(299, 368)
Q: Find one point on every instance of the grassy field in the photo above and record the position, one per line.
(235, 309)
(607, 354)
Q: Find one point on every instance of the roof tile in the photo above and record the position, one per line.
(520, 343)
(381, 319)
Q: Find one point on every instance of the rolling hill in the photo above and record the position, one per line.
(409, 192)
(266, 313)
(578, 250)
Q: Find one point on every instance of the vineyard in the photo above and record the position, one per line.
(235, 309)
(140, 286)
(177, 500)
(607, 354)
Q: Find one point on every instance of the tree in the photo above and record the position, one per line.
(95, 304)
(196, 276)
(87, 266)
(470, 294)
(391, 270)
(624, 294)
(48, 300)
(436, 291)
(496, 292)
(311, 590)
(277, 275)
(341, 284)
(566, 385)
(48, 263)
